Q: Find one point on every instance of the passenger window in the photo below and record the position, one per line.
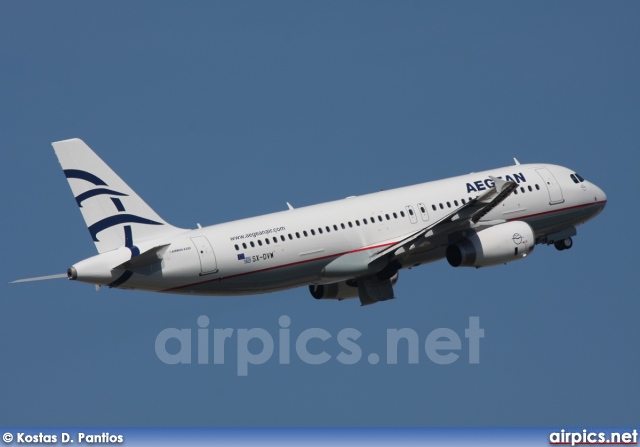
(364, 221)
(282, 238)
(328, 229)
(252, 244)
(441, 206)
(537, 187)
(267, 241)
(313, 233)
(395, 216)
(297, 235)
(290, 236)
(530, 188)
(237, 248)
(410, 212)
(434, 207)
(259, 242)
(464, 202)
(320, 230)
(350, 224)
(387, 216)
(455, 202)
(335, 227)
(244, 245)
(402, 213)
(342, 226)
(357, 222)
(449, 204)
(305, 233)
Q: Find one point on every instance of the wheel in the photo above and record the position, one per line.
(564, 244)
(568, 243)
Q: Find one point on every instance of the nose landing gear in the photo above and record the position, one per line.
(564, 244)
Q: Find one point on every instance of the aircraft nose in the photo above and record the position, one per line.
(599, 196)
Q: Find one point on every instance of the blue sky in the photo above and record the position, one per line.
(215, 111)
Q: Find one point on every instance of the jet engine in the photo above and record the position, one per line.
(499, 244)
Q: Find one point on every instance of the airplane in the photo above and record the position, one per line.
(349, 248)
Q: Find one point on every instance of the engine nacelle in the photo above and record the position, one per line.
(499, 244)
(339, 290)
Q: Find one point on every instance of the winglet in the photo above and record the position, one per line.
(500, 184)
(492, 198)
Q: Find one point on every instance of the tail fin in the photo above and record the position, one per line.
(115, 215)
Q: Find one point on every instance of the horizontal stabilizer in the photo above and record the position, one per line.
(144, 259)
(40, 278)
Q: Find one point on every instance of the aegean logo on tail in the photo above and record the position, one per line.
(111, 221)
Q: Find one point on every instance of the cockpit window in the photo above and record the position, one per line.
(576, 178)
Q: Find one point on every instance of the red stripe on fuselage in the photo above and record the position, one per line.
(277, 267)
(360, 249)
(558, 211)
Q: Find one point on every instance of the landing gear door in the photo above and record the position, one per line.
(208, 262)
(555, 192)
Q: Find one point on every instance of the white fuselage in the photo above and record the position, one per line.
(293, 248)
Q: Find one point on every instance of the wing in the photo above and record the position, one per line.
(440, 232)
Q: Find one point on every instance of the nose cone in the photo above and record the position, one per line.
(599, 199)
(599, 195)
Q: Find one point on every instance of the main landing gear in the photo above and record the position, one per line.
(564, 244)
